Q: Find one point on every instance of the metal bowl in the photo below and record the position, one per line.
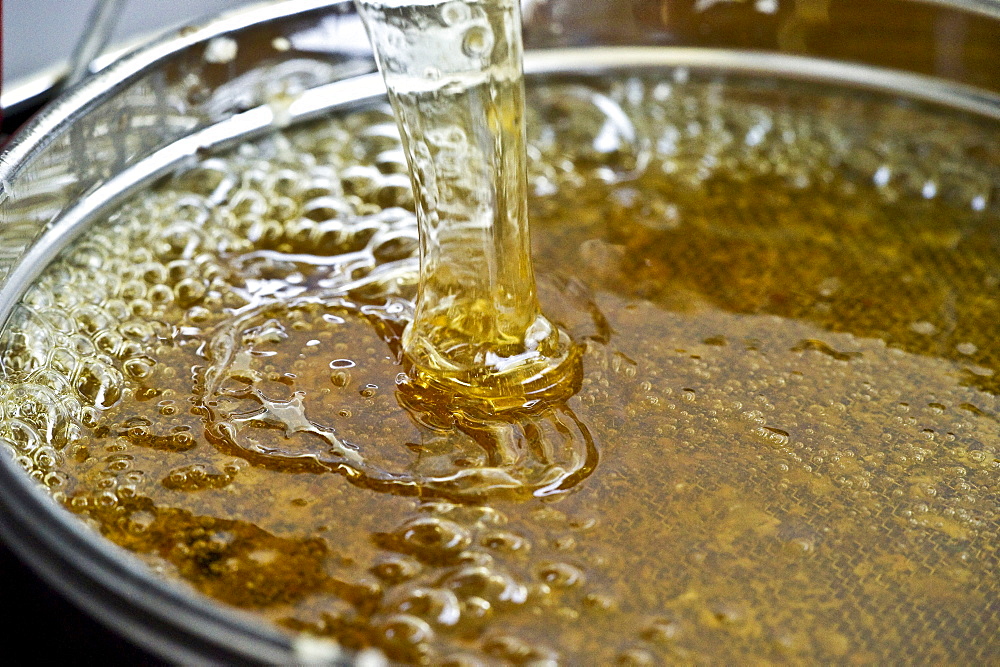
(251, 71)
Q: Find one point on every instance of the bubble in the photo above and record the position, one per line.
(600, 602)
(967, 348)
(560, 575)
(395, 247)
(140, 521)
(661, 630)
(404, 629)
(395, 191)
(456, 13)
(635, 657)
(517, 651)
(92, 319)
(392, 161)
(340, 378)
(435, 605)
(109, 342)
(431, 536)
(508, 648)
(189, 291)
(476, 611)
(482, 582)
(196, 477)
(139, 367)
(99, 384)
(773, 436)
(180, 240)
(505, 542)
(137, 330)
(461, 660)
(727, 613)
(56, 480)
(106, 499)
(45, 458)
(141, 308)
(119, 464)
(396, 569)
(477, 42)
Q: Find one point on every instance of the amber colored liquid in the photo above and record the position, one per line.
(786, 425)
(477, 339)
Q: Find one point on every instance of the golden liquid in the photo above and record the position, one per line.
(477, 338)
(785, 298)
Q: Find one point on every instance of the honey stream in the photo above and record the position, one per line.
(454, 76)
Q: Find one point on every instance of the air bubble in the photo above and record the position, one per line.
(396, 569)
(505, 542)
(430, 536)
(477, 42)
(456, 13)
(967, 348)
(403, 630)
(99, 384)
(560, 575)
(438, 606)
(482, 582)
(139, 367)
(635, 657)
(508, 648)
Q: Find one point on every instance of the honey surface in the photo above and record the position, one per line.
(785, 301)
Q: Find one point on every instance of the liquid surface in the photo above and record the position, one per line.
(787, 419)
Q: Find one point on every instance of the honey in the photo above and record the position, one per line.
(783, 443)
(477, 339)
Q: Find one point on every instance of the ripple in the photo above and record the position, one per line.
(256, 412)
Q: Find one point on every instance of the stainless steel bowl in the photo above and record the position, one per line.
(246, 73)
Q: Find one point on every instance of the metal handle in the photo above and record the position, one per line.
(101, 23)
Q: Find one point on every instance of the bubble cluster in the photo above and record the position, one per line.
(456, 587)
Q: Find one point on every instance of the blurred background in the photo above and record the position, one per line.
(39, 34)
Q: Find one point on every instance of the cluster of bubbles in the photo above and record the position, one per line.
(683, 129)
(87, 336)
(449, 576)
